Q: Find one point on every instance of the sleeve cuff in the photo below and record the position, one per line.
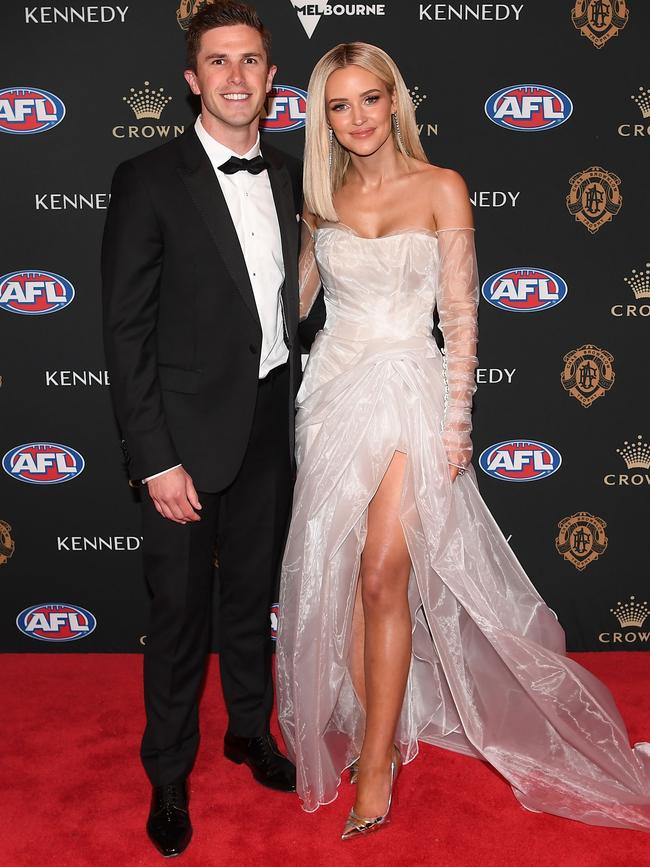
(161, 473)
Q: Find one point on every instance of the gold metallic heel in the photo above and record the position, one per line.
(357, 825)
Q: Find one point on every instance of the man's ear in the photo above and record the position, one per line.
(190, 78)
(270, 77)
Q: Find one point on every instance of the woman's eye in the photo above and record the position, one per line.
(338, 107)
(372, 99)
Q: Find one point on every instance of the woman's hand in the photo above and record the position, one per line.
(454, 472)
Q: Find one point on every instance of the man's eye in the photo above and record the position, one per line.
(251, 60)
(217, 61)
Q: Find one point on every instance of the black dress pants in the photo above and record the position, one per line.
(246, 524)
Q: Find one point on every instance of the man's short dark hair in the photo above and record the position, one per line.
(222, 13)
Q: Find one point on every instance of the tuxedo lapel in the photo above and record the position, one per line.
(285, 209)
(198, 176)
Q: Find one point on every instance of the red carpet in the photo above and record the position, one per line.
(74, 793)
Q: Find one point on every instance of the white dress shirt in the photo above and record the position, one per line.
(250, 201)
(252, 208)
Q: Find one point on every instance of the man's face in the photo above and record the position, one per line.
(232, 75)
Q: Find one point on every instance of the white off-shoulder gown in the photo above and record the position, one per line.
(489, 676)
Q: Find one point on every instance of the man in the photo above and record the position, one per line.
(199, 267)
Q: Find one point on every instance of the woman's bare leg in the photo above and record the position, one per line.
(385, 569)
(357, 671)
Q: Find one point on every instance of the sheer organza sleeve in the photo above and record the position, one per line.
(458, 294)
(309, 277)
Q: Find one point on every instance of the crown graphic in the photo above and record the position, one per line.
(642, 99)
(636, 454)
(147, 102)
(639, 282)
(416, 97)
(631, 613)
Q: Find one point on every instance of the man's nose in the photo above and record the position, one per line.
(235, 75)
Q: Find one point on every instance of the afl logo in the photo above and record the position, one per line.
(528, 107)
(524, 290)
(34, 293)
(56, 621)
(28, 110)
(275, 613)
(520, 460)
(287, 109)
(43, 463)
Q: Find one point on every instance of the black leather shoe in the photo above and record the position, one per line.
(269, 766)
(169, 827)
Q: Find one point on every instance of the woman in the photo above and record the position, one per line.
(404, 614)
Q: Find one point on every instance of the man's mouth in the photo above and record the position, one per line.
(236, 97)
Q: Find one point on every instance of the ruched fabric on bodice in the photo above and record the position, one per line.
(389, 293)
(488, 676)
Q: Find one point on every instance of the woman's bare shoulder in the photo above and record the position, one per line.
(447, 193)
(447, 181)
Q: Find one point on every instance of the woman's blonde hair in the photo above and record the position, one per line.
(320, 180)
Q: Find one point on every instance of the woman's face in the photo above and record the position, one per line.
(359, 107)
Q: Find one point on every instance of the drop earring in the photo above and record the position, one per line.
(398, 131)
(331, 147)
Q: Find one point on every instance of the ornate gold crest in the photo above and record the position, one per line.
(599, 20)
(7, 546)
(581, 539)
(594, 197)
(588, 373)
(187, 10)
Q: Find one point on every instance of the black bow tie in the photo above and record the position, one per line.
(241, 164)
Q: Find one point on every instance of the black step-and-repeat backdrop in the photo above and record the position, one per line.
(543, 106)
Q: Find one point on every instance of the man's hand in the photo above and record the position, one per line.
(174, 496)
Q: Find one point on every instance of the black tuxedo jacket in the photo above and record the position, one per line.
(181, 330)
